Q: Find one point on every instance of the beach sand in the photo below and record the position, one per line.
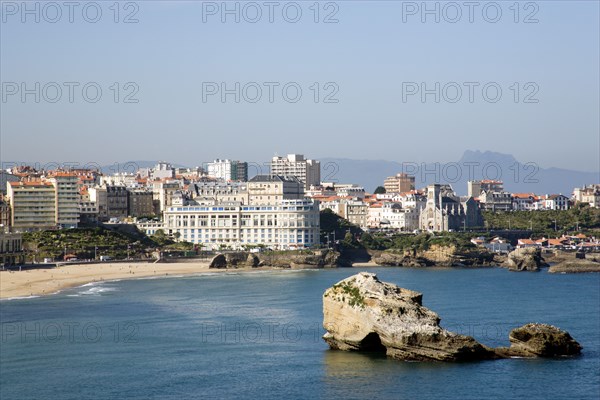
(37, 282)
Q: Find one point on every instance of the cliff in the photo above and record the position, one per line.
(362, 313)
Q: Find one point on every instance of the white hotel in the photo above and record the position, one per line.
(287, 224)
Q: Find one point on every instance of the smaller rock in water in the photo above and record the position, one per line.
(525, 259)
(542, 340)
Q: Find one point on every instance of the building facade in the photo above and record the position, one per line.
(272, 189)
(399, 183)
(32, 205)
(589, 194)
(445, 211)
(214, 192)
(306, 171)
(288, 224)
(11, 249)
(495, 201)
(140, 203)
(67, 199)
(228, 170)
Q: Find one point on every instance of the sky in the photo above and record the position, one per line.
(183, 81)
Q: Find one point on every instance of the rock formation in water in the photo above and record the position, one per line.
(525, 259)
(574, 266)
(540, 340)
(362, 313)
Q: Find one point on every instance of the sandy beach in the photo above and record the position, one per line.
(38, 282)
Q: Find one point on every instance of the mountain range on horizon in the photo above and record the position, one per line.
(518, 177)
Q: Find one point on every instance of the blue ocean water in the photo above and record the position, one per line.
(258, 335)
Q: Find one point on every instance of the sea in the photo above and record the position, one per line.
(258, 335)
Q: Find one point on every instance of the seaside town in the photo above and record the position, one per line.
(218, 207)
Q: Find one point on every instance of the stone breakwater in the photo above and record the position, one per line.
(361, 313)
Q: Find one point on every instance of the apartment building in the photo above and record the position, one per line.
(66, 188)
(272, 189)
(495, 201)
(306, 171)
(475, 188)
(228, 170)
(287, 224)
(4, 212)
(88, 209)
(140, 203)
(399, 183)
(112, 201)
(32, 204)
(163, 192)
(355, 211)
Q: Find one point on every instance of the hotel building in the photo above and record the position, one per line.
(288, 224)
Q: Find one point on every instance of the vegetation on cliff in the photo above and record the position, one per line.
(86, 243)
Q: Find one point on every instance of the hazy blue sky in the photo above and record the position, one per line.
(368, 55)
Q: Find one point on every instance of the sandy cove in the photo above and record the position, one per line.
(39, 282)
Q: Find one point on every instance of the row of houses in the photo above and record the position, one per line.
(565, 242)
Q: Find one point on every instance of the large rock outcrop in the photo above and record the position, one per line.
(525, 259)
(361, 313)
(392, 259)
(436, 255)
(280, 259)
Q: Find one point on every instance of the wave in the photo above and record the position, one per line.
(96, 291)
(20, 298)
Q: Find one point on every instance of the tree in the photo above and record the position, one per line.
(380, 190)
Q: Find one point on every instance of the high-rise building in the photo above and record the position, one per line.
(67, 199)
(307, 171)
(399, 183)
(228, 170)
(32, 204)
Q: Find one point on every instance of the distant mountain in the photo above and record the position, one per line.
(473, 165)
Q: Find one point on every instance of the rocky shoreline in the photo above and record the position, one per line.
(523, 259)
(362, 313)
(302, 259)
(575, 266)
